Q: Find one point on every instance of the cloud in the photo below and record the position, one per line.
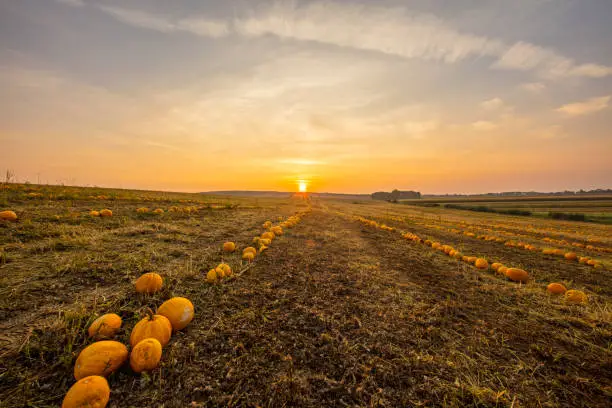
(484, 126)
(492, 104)
(585, 107)
(197, 26)
(524, 56)
(535, 87)
(138, 18)
(74, 3)
(391, 31)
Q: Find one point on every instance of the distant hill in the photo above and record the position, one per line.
(246, 193)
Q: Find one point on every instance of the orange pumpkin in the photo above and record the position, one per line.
(223, 270)
(105, 326)
(178, 310)
(495, 266)
(268, 235)
(556, 289)
(8, 215)
(211, 276)
(229, 247)
(278, 230)
(517, 275)
(502, 270)
(94, 213)
(472, 259)
(481, 263)
(249, 249)
(153, 326)
(576, 296)
(91, 391)
(267, 224)
(106, 213)
(100, 358)
(571, 256)
(248, 256)
(150, 282)
(146, 355)
(158, 211)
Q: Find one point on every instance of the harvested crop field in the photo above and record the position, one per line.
(353, 305)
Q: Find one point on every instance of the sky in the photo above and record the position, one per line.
(355, 96)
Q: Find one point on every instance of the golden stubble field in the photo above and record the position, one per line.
(359, 303)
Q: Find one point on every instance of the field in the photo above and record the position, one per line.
(356, 304)
(591, 208)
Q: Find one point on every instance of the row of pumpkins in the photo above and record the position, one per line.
(147, 339)
(570, 256)
(513, 274)
(249, 253)
(530, 247)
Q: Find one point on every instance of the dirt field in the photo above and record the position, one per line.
(336, 312)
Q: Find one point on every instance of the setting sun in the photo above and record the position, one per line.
(302, 186)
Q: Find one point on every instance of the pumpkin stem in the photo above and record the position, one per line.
(148, 312)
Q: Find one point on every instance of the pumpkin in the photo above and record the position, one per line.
(472, 259)
(105, 326)
(106, 213)
(153, 326)
(91, 391)
(583, 259)
(481, 263)
(495, 266)
(142, 210)
(268, 235)
(146, 355)
(465, 258)
(556, 289)
(576, 296)
(94, 213)
(517, 275)
(502, 270)
(256, 240)
(149, 283)
(264, 242)
(248, 256)
(458, 255)
(158, 211)
(229, 247)
(100, 358)
(224, 269)
(249, 249)
(278, 230)
(8, 215)
(267, 224)
(211, 276)
(178, 310)
(571, 256)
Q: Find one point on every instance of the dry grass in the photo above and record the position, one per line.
(333, 314)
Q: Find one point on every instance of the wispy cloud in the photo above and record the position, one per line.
(74, 3)
(534, 87)
(524, 56)
(492, 104)
(392, 31)
(585, 107)
(484, 126)
(198, 26)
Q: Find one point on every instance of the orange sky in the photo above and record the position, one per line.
(347, 96)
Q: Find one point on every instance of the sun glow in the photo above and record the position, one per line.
(302, 186)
